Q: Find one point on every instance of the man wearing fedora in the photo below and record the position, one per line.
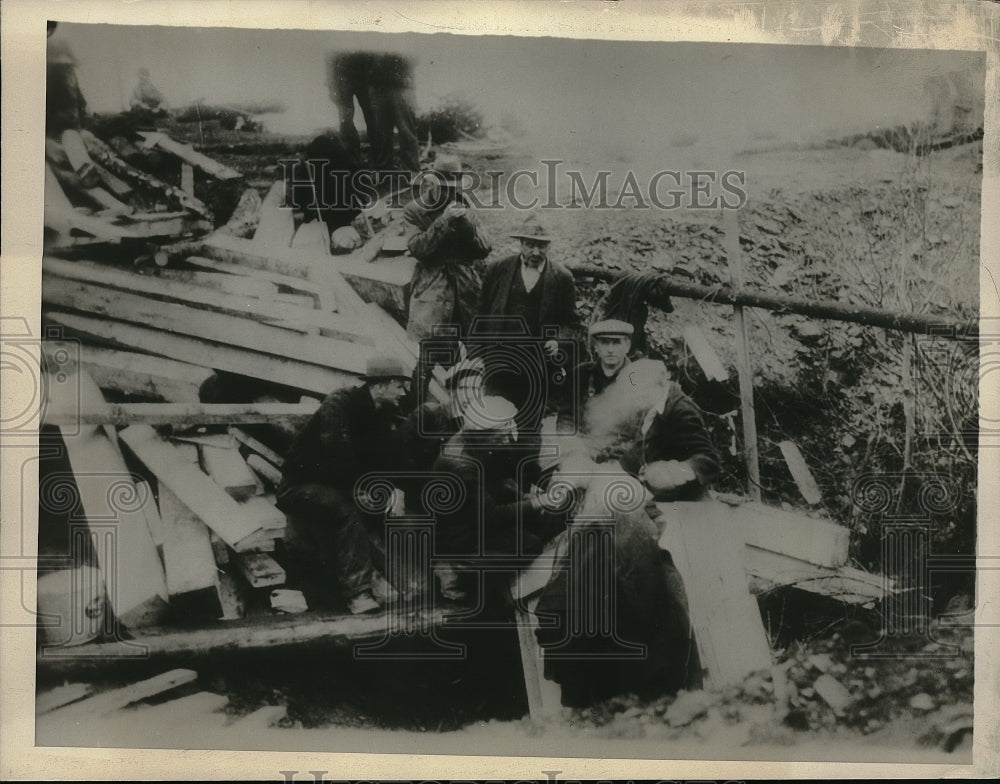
(527, 320)
(327, 540)
(448, 244)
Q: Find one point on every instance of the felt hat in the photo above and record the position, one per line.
(533, 229)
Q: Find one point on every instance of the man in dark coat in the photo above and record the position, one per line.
(390, 82)
(526, 327)
(348, 437)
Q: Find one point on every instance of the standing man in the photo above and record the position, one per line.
(392, 100)
(347, 78)
(448, 245)
(347, 437)
(529, 304)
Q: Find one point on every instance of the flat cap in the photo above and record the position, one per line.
(611, 327)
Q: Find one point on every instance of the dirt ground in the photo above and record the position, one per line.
(868, 226)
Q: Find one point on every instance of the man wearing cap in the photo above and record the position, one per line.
(347, 437)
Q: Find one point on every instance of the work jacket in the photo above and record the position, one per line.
(446, 282)
(557, 305)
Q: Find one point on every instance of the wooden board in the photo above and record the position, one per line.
(240, 272)
(800, 472)
(61, 696)
(187, 549)
(257, 446)
(263, 469)
(727, 624)
(231, 321)
(260, 569)
(116, 699)
(195, 491)
(189, 155)
(276, 225)
(185, 415)
(265, 513)
(704, 354)
(134, 577)
(201, 707)
(157, 378)
(265, 366)
(229, 470)
(769, 570)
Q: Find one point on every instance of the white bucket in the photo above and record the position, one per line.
(71, 606)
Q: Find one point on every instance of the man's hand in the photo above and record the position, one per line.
(551, 348)
(665, 475)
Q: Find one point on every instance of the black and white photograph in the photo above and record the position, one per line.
(452, 391)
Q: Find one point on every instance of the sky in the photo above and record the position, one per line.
(639, 99)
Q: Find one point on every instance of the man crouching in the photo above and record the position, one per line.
(326, 541)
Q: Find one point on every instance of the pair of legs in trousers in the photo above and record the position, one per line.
(345, 89)
(393, 109)
(326, 542)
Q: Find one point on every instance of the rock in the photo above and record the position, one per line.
(687, 707)
(833, 693)
(922, 702)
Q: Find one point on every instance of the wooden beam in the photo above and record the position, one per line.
(189, 155)
(241, 273)
(116, 699)
(918, 323)
(259, 447)
(187, 548)
(266, 471)
(127, 555)
(184, 415)
(194, 490)
(260, 569)
(727, 625)
(61, 696)
(704, 354)
(769, 570)
(93, 281)
(130, 373)
(276, 225)
(229, 470)
(266, 366)
(743, 367)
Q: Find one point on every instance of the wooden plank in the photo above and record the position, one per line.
(727, 625)
(134, 577)
(152, 514)
(61, 696)
(262, 718)
(266, 471)
(187, 178)
(259, 447)
(260, 569)
(769, 570)
(743, 367)
(116, 699)
(206, 325)
(544, 695)
(396, 341)
(704, 354)
(94, 279)
(800, 472)
(231, 597)
(229, 470)
(157, 378)
(201, 708)
(189, 155)
(265, 513)
(276, 226)
(234, 285)
(184, 415)
(794, 534)
(241, 272)
(194, 490)
(279, 369)
(187, 549)
(219, 550)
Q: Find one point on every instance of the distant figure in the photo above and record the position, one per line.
(391, 91)
(146, 95)
(347, 78)
(65, 107)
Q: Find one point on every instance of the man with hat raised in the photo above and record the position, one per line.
(349, 436)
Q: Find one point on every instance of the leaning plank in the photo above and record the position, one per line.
(140, 374)
(266, 366)
(264, 470)
(61, 696)
(93, 281)
(259, 447)
(260, 569)
(276, 225)
(109, 701)
(184, 415)
(398, 342)
(107, 158)
(152, 513)
(768, 570)
(187, 549)
(727, 625)
(794, 534)
(800, 472)
(229, 470)
(129, 561)
(203, 324)
(194, 490)
(705, 355)
(189, 155)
